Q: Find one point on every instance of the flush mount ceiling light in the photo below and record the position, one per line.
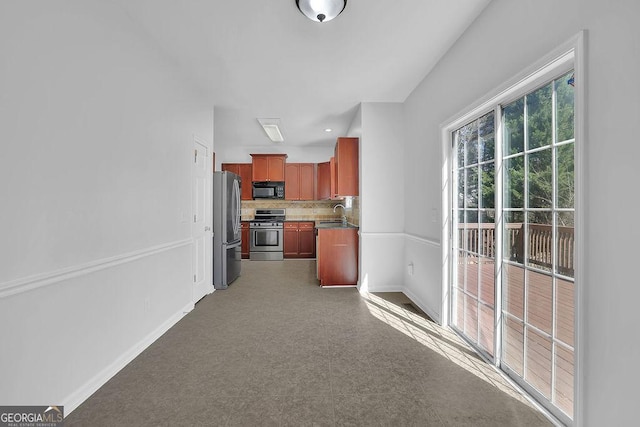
(272, 129)
(321, 10)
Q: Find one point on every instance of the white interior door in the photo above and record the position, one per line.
(201, 226)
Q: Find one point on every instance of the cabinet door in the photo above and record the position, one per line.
(346, 163)
(245, 239)
(245, 172)
(276, 168)
(260, 168)
(334, 178)
(290, 241)
(307, 181)
(338, 253)
(231, 167)
(307, 240)
(292, 181)
(324, 181)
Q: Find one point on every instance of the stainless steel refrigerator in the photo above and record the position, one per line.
(227, 239)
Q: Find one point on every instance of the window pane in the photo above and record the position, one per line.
(564, 311)
(565, 244)
(471, 317)
(460, 230)
(513, 291)
(460, 178)
(471, 231)
(485, 338)
(514, 182)
(513, 346)
(471, 149)
(538, 355)
(564, 380)
(514, 236)
(487, 281)
(540, 179)
(513, 121)
(472, 187)
(565, 176)
(539, 128)
(459, 148)
(487, 233)
(458, 308)
(486, 137)
(564, 107)
(540, 239)
(539, 292)
(471, 275)
(488, 182)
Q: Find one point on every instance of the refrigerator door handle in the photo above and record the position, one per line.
(238, 207)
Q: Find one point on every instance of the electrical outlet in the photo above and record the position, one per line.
(434, 215)
(410, 269)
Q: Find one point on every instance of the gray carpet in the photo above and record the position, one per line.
(277, 350)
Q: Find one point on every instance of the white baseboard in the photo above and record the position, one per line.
(431, 313)
(76, 398)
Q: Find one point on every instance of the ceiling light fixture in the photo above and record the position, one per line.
(321, 10)
(328, 130)
(272, 129)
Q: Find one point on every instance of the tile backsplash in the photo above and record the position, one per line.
(315, 210)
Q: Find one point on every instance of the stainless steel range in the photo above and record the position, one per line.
(267, 235)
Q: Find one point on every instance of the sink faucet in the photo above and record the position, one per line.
(344, 217)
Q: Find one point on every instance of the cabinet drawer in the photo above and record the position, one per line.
(307, 225)
(291, 225)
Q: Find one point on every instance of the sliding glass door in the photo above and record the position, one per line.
(521, 179)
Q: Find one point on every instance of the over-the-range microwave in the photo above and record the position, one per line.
(268, 190)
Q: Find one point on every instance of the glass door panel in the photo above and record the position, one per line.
(473, 299)
(538, 236)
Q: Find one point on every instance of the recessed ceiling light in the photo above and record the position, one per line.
(272, 129)
(328, 130)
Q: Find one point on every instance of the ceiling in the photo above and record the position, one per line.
(264, 59)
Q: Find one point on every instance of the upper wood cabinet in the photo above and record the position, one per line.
(268, 167)
(324, 181)
(245, 172)
(346, 167)
(299, 181)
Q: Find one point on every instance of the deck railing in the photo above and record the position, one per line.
(480, 239)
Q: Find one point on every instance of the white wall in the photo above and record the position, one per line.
(382, 195)
(96, 128)
(507, 38)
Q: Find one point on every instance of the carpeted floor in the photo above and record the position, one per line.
(277, 350)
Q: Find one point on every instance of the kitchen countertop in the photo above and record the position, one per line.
(333, 224)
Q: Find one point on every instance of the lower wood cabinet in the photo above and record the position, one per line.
(337, 256)
(299, 239)
(244, 232)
